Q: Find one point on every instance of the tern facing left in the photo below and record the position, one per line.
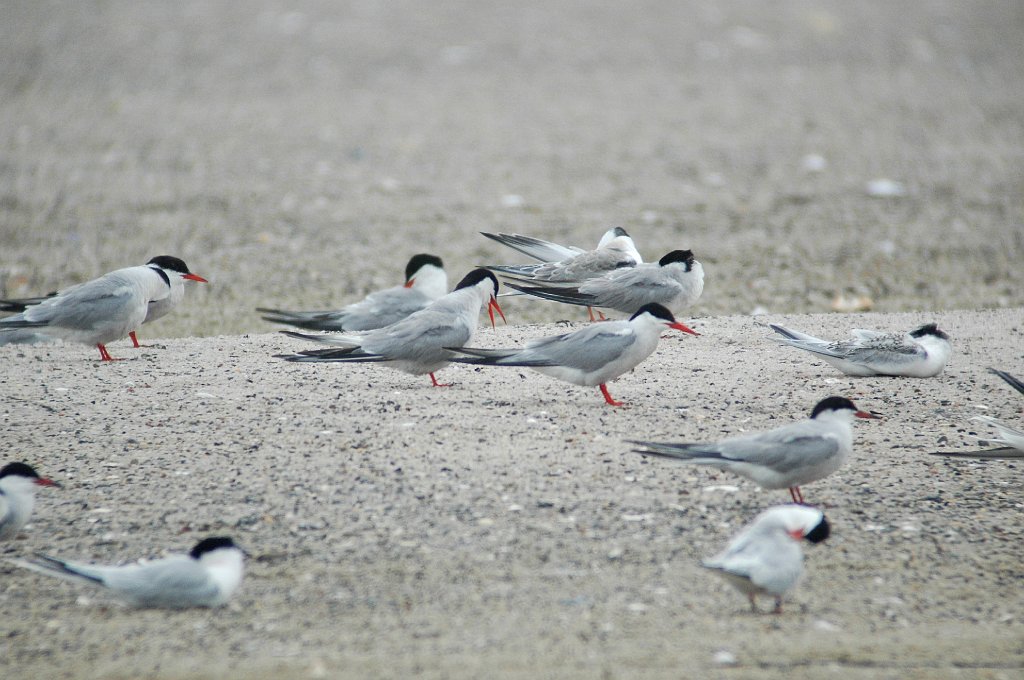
(616, 250)
(18, 482)
(418, 344)
(206, 577)
(786, 457)
(765, 557)
(921, 353)
(591, 356)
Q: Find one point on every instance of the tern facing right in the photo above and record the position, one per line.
(425, 281)
(616, 250)
(590, 356)
(102, 310)
(765, 557)
(418, 344)
(206, 577)
(786, 457)
(921, 353)
(18, 483)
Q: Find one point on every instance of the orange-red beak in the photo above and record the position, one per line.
(680, 327)
(194, 277)
(492, 305)
(43, 481)
(796, 534)
(865, 414)
(408, 284)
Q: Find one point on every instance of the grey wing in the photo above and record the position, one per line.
(419, 336)
(588, 349)
(176, 581)
(383, 308)
(584, 266)
(538, 249)
(886, 350)
(86, 305)
(629, 289)
(784, 450)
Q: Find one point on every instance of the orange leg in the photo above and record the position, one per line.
(608, 397)
(135, 340)
(437, 384)
(794, 492)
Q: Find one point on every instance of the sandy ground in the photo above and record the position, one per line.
(298, 153)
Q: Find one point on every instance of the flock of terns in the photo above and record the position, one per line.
(419, 328)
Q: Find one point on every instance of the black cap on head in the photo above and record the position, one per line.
(416, 262)
(619, 231)
(820, 532)
(656, 310)
(20, 469)
(209, 545)
(929, 329)
(170, 263)
(684, 256)
(475, 277)
(833, 404)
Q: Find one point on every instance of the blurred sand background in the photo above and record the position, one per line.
(298, 153)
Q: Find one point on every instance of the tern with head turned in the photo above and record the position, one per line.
(616, 250)
(921, 353)
(418, 344)
(591, 356)
(425, 282)
(675, 281)
(100, 311)
(18, 482)
(765, 557)
(206, 577)
(784, 458)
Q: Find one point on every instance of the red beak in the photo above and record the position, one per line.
(408, 284)
(43, 481)
(796, 534)
(194, 277)
(865, 414)
(680, 327)
(493, 305)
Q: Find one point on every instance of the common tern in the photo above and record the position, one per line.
(102, 310)
(425, 281)
(418, 344)
(786, 457)
(675, 281)
(591, 356)
(921, 353)
(765, 557)
(616, 250)
(18, 483)
(206, 577)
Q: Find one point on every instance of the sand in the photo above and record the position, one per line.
(298, 154)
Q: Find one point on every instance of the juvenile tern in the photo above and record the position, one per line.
(102, 310)
(921, 353)
(786, 457)
(675, 281)
(425, 281)
(591, 356)
(206, 577)
(418, 344)
(765, 557)
(18, 483)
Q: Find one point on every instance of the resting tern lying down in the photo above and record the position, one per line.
(418, 344)
(921, 353)
(102, 310)
(675, 281)
(18, 483)
(425, 281)
(765, 557)
(786, 457)
(206, 577)
(591, 356)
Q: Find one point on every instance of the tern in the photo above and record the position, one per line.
(921, 353)
(765, 557)
(102, 310)
(418, 344)
(591, 356)
(425, 281)
(675, 281)
(786, 457)
(18, 483)
(206, 577)
(1012, 437)
(616, 250)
